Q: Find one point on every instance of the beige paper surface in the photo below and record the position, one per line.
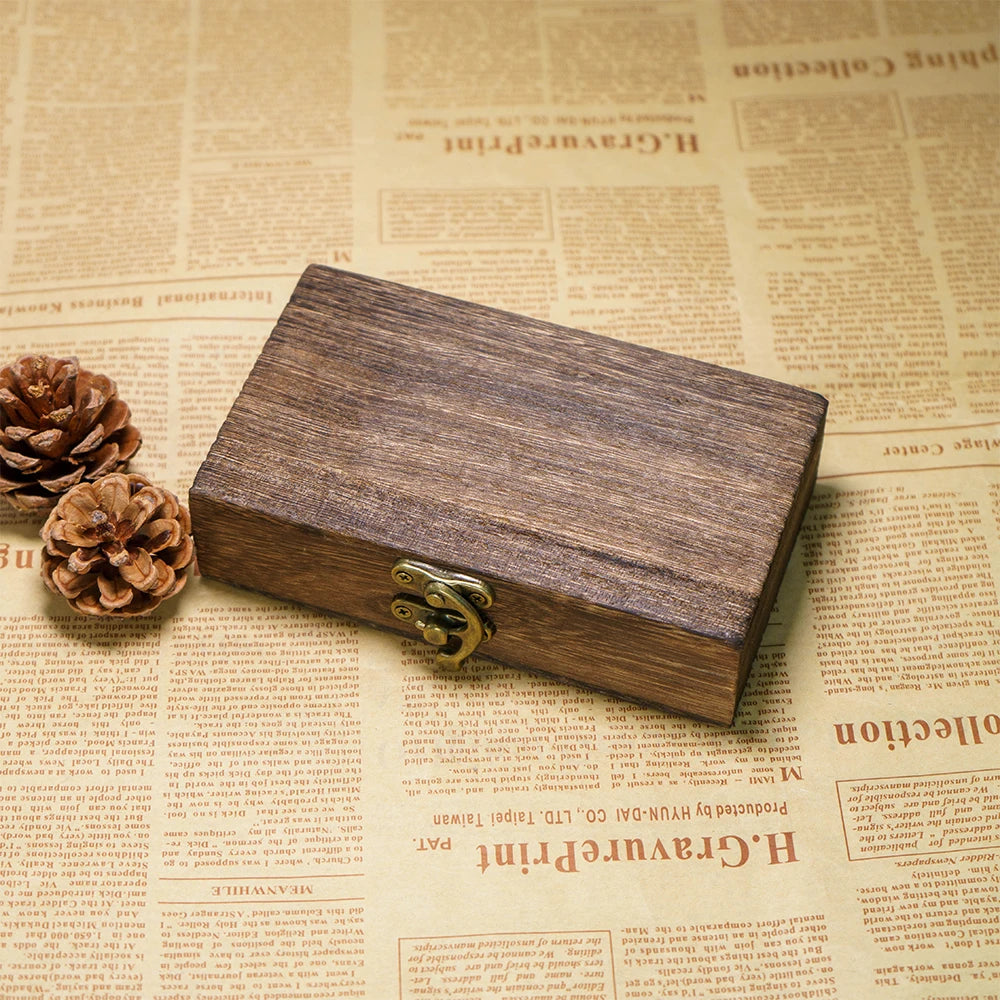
(243, 799)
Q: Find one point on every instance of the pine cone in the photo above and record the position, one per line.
(119, 546)
(59, 425)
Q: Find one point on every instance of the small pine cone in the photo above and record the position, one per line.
(119, 546)
(59, 425)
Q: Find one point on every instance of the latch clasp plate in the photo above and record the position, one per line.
(447, 609)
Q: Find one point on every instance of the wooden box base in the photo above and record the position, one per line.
(632, 511)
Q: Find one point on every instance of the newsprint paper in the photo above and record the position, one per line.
(242, 799)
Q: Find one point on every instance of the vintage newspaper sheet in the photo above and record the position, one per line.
(239, 798)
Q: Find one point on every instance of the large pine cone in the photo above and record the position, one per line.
(59, 425)
(119, 546)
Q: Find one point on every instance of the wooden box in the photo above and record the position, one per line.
(605, 513)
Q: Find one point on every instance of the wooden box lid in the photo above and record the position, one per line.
(632, 510)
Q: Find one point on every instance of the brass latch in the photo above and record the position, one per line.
(447, 609)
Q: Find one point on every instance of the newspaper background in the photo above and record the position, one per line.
(245, 799)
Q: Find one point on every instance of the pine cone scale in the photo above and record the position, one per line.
(161, 534)
(112, 494)
(83, 561)
(106, 459)
(62, 483)
(183, 555)
(140, 508)
(92, 441)
(114, 593)
(59, 417)
(63, 384)
(71, 584)
(14, 408)
(50, 443)
(80, 505)
(72, 534)
(22, 463)
(166, 580)
(35, 398)
(139, 571)
(114, 416)
(117, 555)
(87, 411)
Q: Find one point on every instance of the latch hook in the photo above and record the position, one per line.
(446, 610)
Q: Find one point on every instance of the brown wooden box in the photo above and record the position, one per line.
(632, 510)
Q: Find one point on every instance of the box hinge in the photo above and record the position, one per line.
(447, 609)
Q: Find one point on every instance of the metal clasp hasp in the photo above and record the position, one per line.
(446, 609)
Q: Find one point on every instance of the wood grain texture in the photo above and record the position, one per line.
(634, 510)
